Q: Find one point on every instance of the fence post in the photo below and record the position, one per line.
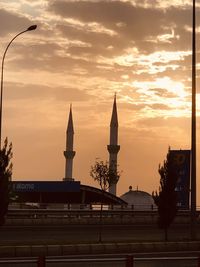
(41, 261)
(198, 261)
(129, 261)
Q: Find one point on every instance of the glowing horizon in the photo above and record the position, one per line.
(83, 52)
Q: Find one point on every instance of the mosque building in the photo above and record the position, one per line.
(136, 199)
(73, 192)
(69, 190)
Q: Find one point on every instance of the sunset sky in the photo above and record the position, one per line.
(83, 52)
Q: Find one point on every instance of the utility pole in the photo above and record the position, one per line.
(193, 128)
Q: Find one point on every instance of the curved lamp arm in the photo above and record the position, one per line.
(31, 28)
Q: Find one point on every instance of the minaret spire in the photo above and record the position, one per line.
(113, 148)
(69, 153)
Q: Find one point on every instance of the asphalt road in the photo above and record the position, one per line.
(30, 235)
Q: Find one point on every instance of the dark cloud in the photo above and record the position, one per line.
(131, 23)
(131, 106)
(159, 107)
(12, 22)
(36, 92)
(121, 17)
(164, 93)
(96, 43)
(160, 122)
(46, 57)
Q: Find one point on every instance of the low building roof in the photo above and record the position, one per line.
(62, 192)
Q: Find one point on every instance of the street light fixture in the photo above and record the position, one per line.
(31, 28)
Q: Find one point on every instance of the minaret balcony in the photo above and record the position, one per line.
(69, 154)
(113, 149)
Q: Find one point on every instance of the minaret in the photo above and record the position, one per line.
(69, 153)
(113, 148)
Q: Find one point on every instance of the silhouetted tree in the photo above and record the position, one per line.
(105, 176)
(166, 198)
(5, 178)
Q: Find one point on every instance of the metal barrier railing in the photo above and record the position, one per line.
(77, 206)
(36, 213)
(69, 206)
(128, 260)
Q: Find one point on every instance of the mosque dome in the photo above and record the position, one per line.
(138, 200)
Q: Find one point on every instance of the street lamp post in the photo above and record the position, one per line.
(193, 128)
(31, 28)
